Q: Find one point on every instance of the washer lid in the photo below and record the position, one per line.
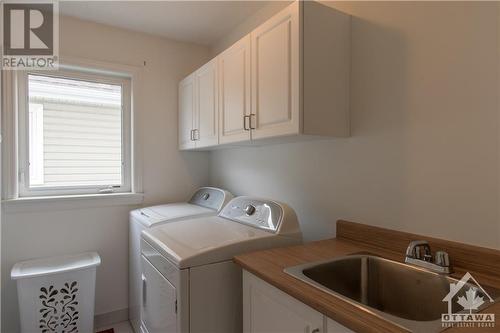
(205, 240)
(169, 212)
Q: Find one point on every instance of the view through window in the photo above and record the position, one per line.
(74, 132)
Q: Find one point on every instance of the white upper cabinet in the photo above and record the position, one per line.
(206, 120)
(234, 93)
(287, 78)
(275, 75)
(186, 112)
(198, 108)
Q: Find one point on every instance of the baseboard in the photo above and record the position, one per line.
(110, 318)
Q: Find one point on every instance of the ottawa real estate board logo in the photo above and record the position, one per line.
(465, 299)
(30, 34)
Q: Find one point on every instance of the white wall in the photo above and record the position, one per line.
(167, 174)
(423, 156)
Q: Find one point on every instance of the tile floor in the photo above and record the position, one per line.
(123, 327)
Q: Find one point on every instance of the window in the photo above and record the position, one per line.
(74, 133)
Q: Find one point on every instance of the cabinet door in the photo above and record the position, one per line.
(269, 310)
(186, 112)
(206, 112)
(334, 327)
(234, 92)
(275, 75)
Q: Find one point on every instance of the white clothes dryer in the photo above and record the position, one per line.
(206, 201)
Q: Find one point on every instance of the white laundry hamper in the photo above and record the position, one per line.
(57, 294)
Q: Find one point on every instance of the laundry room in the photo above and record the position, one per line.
(250, 166)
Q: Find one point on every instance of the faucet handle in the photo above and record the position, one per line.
(441, 258)
(414, 249)
(419, 254)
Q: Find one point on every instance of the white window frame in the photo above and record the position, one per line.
(23, 139)
(11, 199)
(35, 145)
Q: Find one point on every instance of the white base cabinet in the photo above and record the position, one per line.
(333, 327)
(287, 78)
(267, 309)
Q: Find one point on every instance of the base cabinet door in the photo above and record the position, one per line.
(269, 310)
(333, 327)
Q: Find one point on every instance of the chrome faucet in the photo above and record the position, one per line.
(419, 254)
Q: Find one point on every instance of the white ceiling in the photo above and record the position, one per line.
(200, 22)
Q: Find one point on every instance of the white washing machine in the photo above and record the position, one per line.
(206, 201)
(190, 283)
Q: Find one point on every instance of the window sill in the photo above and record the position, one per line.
(33, 204)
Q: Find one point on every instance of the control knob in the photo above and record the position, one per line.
(249, 209)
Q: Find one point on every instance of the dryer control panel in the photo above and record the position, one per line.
(262, 214)
(208, 197)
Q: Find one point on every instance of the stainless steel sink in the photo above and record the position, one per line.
(406, 295)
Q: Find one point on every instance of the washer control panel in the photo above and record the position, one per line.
(263, 214)
(208, 197)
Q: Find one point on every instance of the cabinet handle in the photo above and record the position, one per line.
(144, 295)
(252, 116)
(195, 137)
(245, 123)
(316, 330)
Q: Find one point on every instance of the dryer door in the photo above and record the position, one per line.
(159, 301)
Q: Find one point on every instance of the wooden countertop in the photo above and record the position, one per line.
(269, 264)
